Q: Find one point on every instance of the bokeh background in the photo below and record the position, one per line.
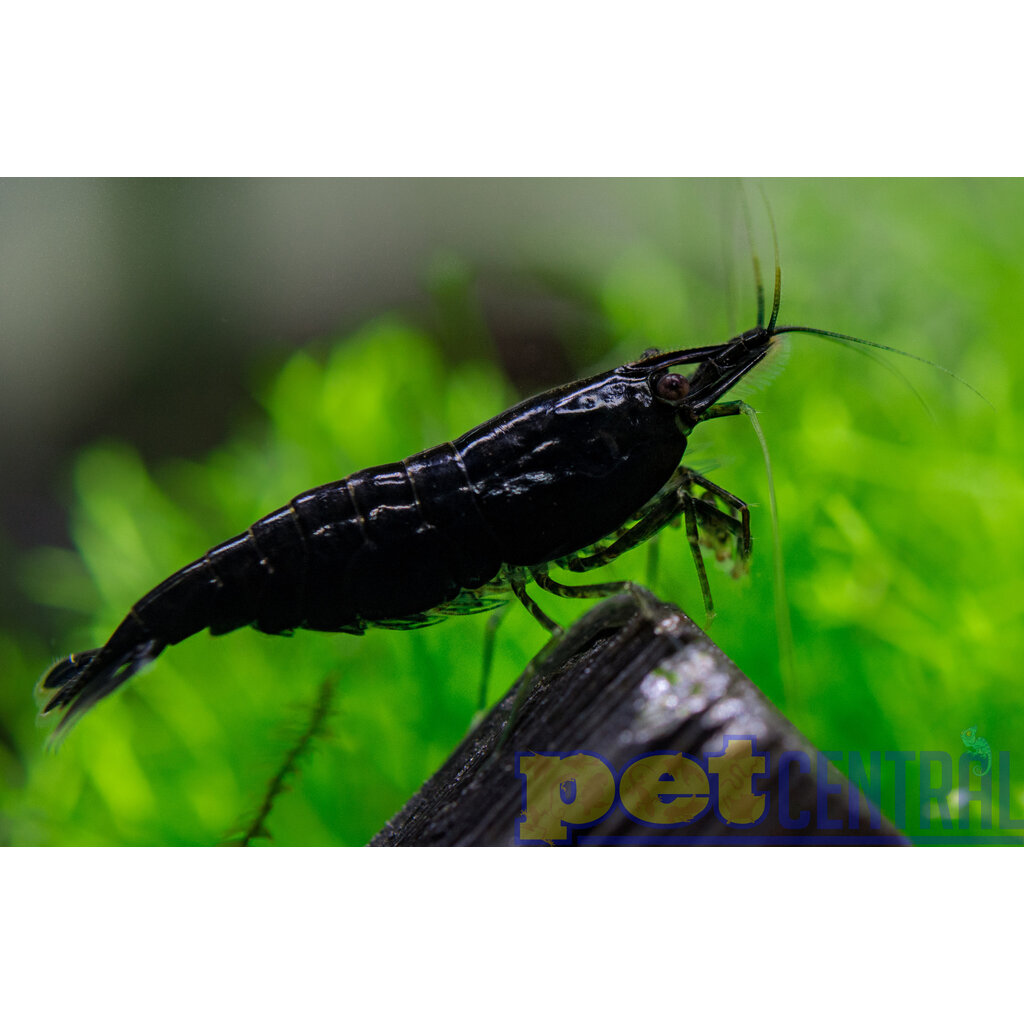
(180, 357)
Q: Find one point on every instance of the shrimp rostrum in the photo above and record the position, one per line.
(571, 478)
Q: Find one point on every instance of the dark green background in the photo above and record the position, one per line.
(900, 524)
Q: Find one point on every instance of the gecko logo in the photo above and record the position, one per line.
(562, 792)
(979, 749)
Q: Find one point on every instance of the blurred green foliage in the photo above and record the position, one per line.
(900, 534)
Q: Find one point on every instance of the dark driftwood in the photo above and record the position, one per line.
(623, 684)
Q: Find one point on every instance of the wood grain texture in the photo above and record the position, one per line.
(633, 678)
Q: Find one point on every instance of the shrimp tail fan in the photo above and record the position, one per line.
(75, 684)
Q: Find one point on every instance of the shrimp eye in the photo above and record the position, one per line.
(673, 387)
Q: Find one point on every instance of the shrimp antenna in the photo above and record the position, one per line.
(843, 339)
(849, 339)
(783, 622)
(777, 294)
(758, 282)
(894, 370)
(727, 254)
